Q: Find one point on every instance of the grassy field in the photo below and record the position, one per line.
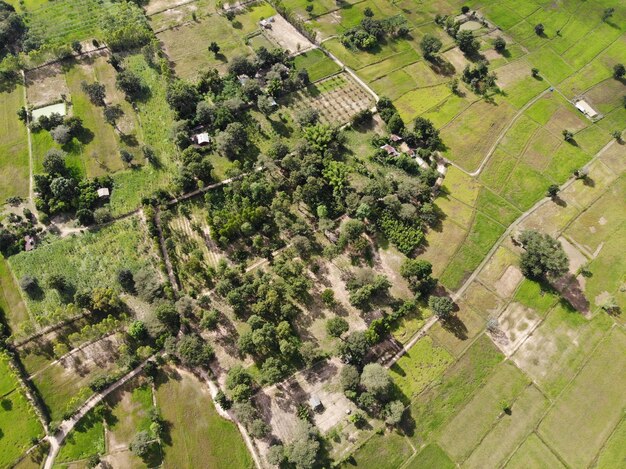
(86, 439)
(13, 146)
(18, 421)
(387, 451)
(198, 436)
(590, 408)
(13, 308)
(86, 261)
(316, 63)
(419, 367)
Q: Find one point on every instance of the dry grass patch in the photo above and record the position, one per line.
(46, 85)
(515, 324)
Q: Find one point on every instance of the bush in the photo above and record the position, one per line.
(442, 306)
(336, 326)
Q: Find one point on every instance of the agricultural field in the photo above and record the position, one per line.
(18, 422)
(88, 260)
(408, 256)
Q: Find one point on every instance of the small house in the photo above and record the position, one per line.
(243, 79)
(315, 403)
(586, 109)
(201, 139)
(395, 138)
(391, 151)
(29, 243)
(103, 192)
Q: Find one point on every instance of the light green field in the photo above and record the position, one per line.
(13, 146)
(386, 451)
(86, 261)
(590, 408)
(86, 439)
(534, 454)
(419, 367)
(199, 436)
(18, 421)
(431, 456)
(316, 63)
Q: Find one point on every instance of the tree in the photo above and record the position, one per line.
(393, 412)
(307, 116)
(215, 48)
(534, 72)
(465, 9)
(105, 300)
(336, 327)
(130, 84)
(349, 378)
(126, 156)
(619, 71)
(193, 351)
(354, 348)
(539, 29)
(368, 12)
(499, 44)
(54, 162)
(543, 257)
(418, 273)
(430, 45)
(61, 134)
(276, 455)
(568, 136)
(375, 378)
(137, 330)
(167, 314)
(102, 215)
(442, 306)
(552, 191)
(607, 13)
(29, 284)
(126, 280)
(266, 104)
(328, 297)
(303, 450)
(140, 446)
(466, 42)
(617, 135)
(96, 92)
(112, 114)
(183, 98)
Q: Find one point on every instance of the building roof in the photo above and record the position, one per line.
(202, 138)
(29, 243)
(395, 138)
(585, 108)
(314, 402)
(103, 192)
(389, 149)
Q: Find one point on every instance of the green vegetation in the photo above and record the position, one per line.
(316, 63)
(87, 261)
(199, 436)
(13, 146)
(86, 439)
(18, 422)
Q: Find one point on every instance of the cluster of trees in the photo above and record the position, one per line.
(373, 392)
(60, 190)
(424, 134)
(543, 257)
(478, 77)
(302, 452)
(13, 30)
(371, 32)
(62, 129)
(465, 39)
(125, 27)
(13, 229)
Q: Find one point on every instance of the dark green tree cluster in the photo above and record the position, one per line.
(125, 27)
(479, 78)
(13, 229)
(59, 190)
(13, 30)
(371, 32)
(543, 256)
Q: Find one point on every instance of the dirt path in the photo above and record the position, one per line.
(166, 257)
(68, 425)
(31, 194)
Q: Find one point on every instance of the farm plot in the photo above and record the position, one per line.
(186, 45)
(337, 99)
(199, 436)
(591, 407)
(318, 64)
(18, 422)
(13, 146)
(86, 439)
(86, 261)
(64, 384)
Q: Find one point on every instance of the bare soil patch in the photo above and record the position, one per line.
(576, 258)
(516, 323)
(46, 85)
(456, 58)
(509, 281)
(512, 73)
(278, 404)
(563, 118)
(286, 36)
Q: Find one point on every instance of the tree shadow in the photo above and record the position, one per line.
(456, 326)
(129, 139)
